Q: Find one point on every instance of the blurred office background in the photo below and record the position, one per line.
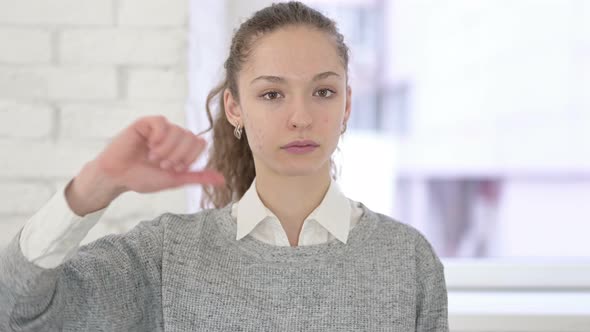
(470, 117)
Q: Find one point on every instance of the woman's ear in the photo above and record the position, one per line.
(233, 112)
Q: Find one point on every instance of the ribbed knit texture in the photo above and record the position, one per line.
(188, 273)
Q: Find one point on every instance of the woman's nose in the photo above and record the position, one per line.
(300, 117)
(299, 123)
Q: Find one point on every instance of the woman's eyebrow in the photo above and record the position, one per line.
(279, 79)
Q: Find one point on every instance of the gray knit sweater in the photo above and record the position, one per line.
(187, 272)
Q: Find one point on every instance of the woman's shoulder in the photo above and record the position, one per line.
(183, 222)
(399, 235)
(388, 223)
(197, 216)
(397, 230)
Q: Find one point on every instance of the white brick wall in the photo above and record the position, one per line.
(160, 84)
(58, 82)
(25, 46)
(136, 46)
(15, 120)
(57, 12)
(152, 12)
(73, 73)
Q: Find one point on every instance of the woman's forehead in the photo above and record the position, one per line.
(293, 53)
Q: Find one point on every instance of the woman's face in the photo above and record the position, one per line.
(292, 87)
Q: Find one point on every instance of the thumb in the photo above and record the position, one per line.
(207, 176)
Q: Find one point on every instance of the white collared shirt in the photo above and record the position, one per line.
(323, 224)
(54, 233)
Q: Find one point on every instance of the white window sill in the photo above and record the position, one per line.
(473, 311)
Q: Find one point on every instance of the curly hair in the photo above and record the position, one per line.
(232, 157)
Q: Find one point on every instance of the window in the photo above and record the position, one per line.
(477, 116)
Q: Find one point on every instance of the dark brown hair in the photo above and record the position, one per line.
(233, 157)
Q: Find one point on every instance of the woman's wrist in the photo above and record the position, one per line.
(91, 190)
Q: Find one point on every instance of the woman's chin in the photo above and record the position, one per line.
(300, 173)
(300, 168)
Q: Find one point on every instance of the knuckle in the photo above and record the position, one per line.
(192, 138)
(164, 127)
(193, 155)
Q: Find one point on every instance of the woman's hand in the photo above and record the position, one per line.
(126, 160)
(125, 164)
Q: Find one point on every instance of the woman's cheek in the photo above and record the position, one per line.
(258, 140)
(256, 134)
(329, 123)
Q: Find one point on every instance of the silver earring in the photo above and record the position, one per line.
(343, 130)
(238, 131)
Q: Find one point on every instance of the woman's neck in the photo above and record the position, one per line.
(292, 198)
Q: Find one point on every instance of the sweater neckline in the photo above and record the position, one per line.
(357, 238)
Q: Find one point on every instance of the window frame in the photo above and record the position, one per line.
(479, 274)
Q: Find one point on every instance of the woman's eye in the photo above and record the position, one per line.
(271, 95)
(325, 93)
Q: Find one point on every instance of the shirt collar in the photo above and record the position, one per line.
(333, 213)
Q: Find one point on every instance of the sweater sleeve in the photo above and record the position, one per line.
(432, 303)
(54, 232)
(111, 284)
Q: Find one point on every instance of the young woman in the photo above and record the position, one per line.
(282, 250)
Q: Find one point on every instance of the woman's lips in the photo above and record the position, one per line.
(300, 146)
(300, 149)
(301, 143)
